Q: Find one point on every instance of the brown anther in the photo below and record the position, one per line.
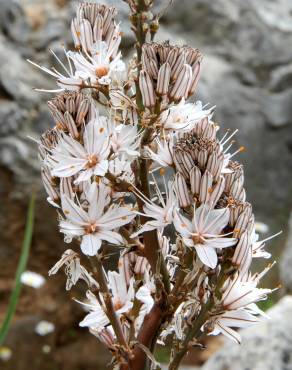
(91, 161)
(197, 239)
(90, 229)
(101, 71)
(118, 305)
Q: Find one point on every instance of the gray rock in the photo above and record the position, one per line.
(11, 116)
(19, 155)
(278, 108)
(286, 260)
(239, 30)
(182, 367)
(281, 78)
(13, 21)
(17, 77)
(266, 346)
(53, 30)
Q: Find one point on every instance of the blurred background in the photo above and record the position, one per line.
(247, 74)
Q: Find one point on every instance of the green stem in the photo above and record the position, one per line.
(20, 269)
(203, 316)
(193, 332)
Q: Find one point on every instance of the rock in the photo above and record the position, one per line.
(266, 346)
(13, 21)
(286, 260)
(19, 154)
(237, 29)
(11, 116)
(278, 108)
(17, 77)
(182, 367)
(51, 32)
(281, 78)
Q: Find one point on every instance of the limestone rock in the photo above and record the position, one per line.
(286, 260)
(17, 77)
(13, 21)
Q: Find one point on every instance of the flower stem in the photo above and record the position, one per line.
(110, 310)
(193, 332)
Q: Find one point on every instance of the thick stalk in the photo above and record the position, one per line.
(147, 334)
(153, 320)
(150, 238)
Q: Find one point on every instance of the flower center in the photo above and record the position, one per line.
(118, 304)
(198, 239)
(91, 228)
(101, 71)
(92, 161)
(178, 119)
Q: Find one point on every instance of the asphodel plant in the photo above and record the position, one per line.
(144, 183)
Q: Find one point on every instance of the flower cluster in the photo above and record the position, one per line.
(136, 170)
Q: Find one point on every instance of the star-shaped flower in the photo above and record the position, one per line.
(204, 232)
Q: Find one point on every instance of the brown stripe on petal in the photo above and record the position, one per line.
(217, 191)
(206, 184)
(71, 125)
(178, 65)
(163, 79)
(195, 78)
(82, 112)
(182, 191)
(181, 85)
(195, 180)
(97, 29)
(147, 90)
(86, 35)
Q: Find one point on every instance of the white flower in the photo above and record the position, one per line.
(120, 167)
(95, 224)
(124, 139)
(73, 269)
(204, 232)
(238, 305)
(145, 296)
(164, 152)
(44, 328)
(183, 116)
(122, 297)
(258, 246)
(32, 279)
(121, 102)
(145, 293)
(5, 353)
(70, 157)
(68, 81)
(162, 215)
(239, 292)
(99, 67)
(46, 349)
(232, 319)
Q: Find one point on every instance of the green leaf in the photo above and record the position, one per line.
(20, 268)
